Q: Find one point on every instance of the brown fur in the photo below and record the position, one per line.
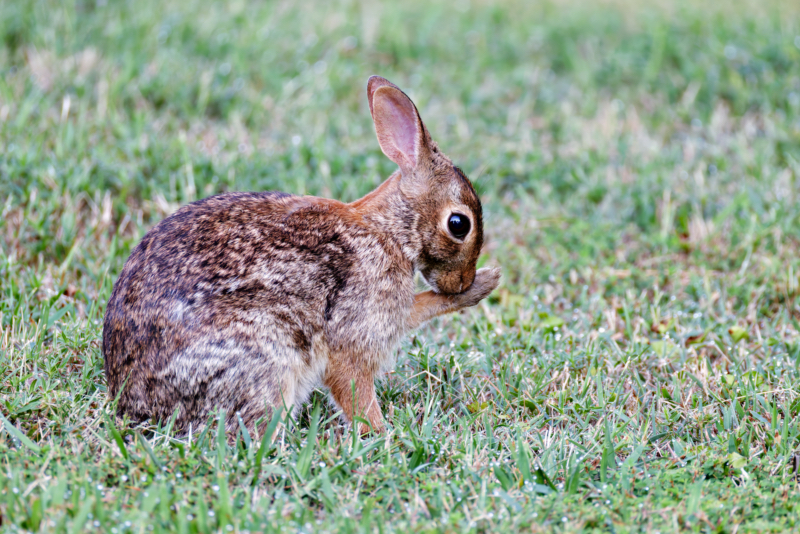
(245, 301)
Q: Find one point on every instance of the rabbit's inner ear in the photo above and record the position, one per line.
(398, 127)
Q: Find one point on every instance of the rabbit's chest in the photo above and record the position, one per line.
(373, 312)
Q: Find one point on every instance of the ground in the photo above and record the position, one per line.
(637, 369)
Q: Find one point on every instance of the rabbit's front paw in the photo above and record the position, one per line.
(364, 429)
(486, 281)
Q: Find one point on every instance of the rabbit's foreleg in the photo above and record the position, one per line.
(429, 304)
(352, 387)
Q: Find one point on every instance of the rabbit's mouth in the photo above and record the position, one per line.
(449, 282)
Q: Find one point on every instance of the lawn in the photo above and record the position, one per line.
(636, 370)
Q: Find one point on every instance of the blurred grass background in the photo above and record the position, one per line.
(638, 164)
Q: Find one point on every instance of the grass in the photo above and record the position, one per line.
(637, 370)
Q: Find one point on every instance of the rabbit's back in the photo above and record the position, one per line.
(238, 300)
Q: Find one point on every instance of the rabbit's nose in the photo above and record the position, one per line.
(467, 277)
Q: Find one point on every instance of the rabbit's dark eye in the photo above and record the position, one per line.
(458, 225)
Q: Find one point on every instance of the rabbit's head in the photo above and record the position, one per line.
(444, 215)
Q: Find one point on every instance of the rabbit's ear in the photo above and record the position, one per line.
(400, 131)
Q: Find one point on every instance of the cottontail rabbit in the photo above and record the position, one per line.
(245, 301)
